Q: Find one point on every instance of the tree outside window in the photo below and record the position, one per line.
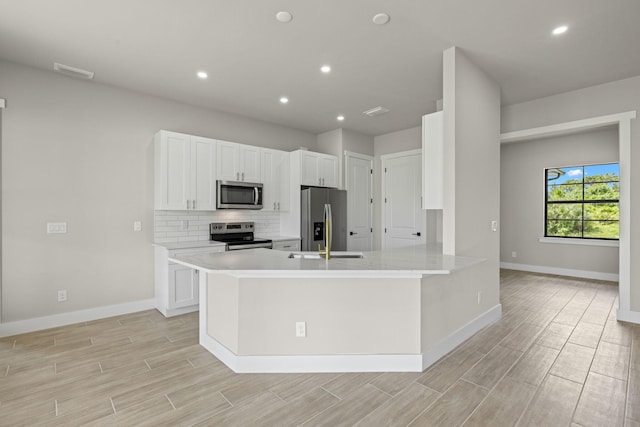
(583, 202)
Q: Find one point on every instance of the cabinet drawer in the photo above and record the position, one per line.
(287, 245)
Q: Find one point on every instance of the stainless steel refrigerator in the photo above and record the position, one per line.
(312, 212)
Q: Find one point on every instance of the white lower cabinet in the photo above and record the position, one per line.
(287, 245)
(177, 286)
(183, 286)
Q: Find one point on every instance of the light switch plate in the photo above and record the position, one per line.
(137, 226)
(56, 227)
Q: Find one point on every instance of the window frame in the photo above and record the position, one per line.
(582, 202)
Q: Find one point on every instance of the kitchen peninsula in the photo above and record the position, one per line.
(397, 310)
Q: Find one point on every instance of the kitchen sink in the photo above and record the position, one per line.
(336, 255)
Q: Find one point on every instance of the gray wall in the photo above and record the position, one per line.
(357, 142)
(601, 100)
(81, 152)
(471, 198)
(522, 200)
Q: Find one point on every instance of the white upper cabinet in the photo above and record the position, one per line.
(238, 162)
(317, 169)
(275, 177)
(328, 170)
(432, 160)
(184, 172)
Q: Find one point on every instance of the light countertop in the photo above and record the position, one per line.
(412, 262)
(196, 244)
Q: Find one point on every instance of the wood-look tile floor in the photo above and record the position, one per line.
(557, 357)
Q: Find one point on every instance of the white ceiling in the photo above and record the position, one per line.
(156, 47)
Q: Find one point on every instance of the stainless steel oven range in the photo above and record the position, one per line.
(237, 235)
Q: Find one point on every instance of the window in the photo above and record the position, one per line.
(583, 202)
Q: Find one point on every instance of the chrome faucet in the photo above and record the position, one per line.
(327, 233)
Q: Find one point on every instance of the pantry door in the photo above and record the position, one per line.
(359, 186)
(404, 221)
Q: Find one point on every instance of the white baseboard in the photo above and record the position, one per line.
(443, 347)
(584, 274)
(628, 316)
(170, 312)
(312, 363)
(63, 319)
(347, 362)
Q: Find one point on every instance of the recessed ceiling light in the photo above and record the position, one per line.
(284, 100)
(284, 16)
(381, 19)
(202, 75)
(560, 30)
(340, 118)
(325, 69)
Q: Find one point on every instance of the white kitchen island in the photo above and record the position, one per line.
(397, 310)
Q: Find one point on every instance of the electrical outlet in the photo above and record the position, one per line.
(514, 254)
(494, 226)
(301, 329)
(137, 226)
(62, 295)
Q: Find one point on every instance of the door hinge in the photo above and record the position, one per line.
(372, 229)
(371, 200)
(385, 229)
(371, 171)
(385, 170)
(385, 200)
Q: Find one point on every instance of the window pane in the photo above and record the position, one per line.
(602, 229)
(602, 211)
(564, 192)
(564, 211)
(602, 191)
(602, 173)
(559, 228)
(571, 175)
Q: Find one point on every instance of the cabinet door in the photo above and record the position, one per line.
(183, 286)
(328, 166)
(271, 189)
(172, 171)
(309, 169)
(432, 158)
(227, 161)
(249, 163)
(284, 181)
(203, 176)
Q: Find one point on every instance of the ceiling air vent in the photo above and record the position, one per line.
(72, 71)
(377, 111)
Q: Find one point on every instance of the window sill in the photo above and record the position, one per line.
(584, 242)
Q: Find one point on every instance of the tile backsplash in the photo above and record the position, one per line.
(184, 226)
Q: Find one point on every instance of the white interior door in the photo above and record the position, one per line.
(404, 220)
(358, 182)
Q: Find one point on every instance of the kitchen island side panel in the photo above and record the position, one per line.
(222, 309)
(342, 316)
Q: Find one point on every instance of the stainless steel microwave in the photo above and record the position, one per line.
(239, 195)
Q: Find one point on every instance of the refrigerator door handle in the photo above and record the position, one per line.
(328, 223)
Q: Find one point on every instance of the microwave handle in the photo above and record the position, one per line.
(255, 195)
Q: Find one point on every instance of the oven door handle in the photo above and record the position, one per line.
(255, 195)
